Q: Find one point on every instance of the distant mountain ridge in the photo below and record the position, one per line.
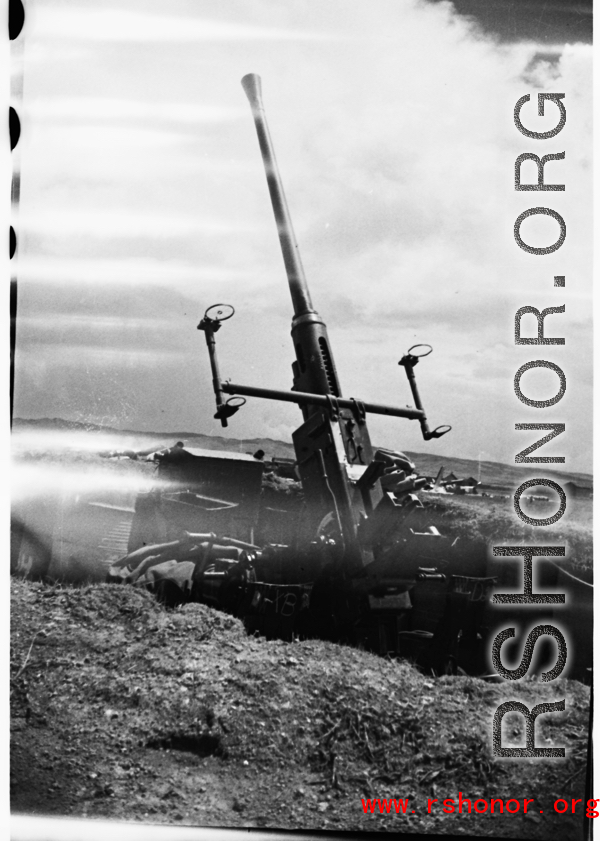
(271, 446)
(489, 472)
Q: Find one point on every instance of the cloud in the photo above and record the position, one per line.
(395, 138)
(100, 141)
(87, 323)
(116, 25)
(142, 275)
(59, 108)
(117, 223)
(93, 334)
(92, 356)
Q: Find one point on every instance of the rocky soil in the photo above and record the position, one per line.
(123, 709)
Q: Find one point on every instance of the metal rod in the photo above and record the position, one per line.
(214, 366)
(303, 397)
(412, 381)
(211, 537)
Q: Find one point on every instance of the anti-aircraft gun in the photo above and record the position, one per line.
(363, 565)
(357, 498)
(337, 465)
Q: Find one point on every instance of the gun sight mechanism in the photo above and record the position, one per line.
(210, 323)
(316, 388)
(408, 362)
(332, 405)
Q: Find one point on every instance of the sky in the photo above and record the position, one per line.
(143, 201)
(543, 21)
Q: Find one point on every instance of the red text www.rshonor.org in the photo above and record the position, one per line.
(465, 805)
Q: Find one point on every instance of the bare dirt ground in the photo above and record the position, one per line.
(123, 709)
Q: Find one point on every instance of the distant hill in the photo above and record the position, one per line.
(135, 439)
(492, 472)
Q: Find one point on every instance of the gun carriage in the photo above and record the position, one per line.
(352, 558)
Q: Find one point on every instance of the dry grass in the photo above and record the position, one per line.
(495, 522)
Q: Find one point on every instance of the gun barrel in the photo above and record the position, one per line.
(289, 247)
(314, 369)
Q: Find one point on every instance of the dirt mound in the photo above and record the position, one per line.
(123, 709)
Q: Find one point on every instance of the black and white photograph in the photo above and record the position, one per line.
(301, 394)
